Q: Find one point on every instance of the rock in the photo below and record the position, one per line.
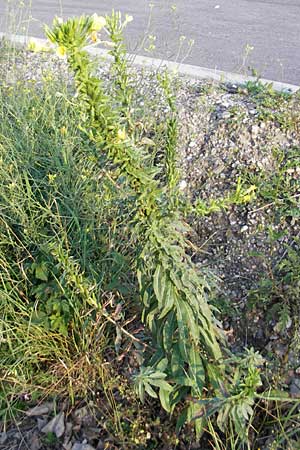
(56, 425)
(35, 442)
(182, 185)
(226, 115)
(254, 130)
(41, 422)
(83, 446)
(3, 437)
(295, 387)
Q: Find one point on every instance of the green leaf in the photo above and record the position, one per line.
(181, 420)
(149, 390)
(164, 396)
(177, 363)
(41, 271)
(161, 384)
(159, 284)
(223, 416)
(196, 369)
(193, 413)
(168, 300)
(168, 331)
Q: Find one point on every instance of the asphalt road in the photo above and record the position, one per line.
(221, 29)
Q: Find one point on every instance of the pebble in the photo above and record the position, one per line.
(295, 387)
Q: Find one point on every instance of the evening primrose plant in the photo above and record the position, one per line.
(186, 369)
(186, 336)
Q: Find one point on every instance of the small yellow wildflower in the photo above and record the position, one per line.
(59, 20)
(51, 177)
(121, 135)
(98, 22)
(94, 36)
(36, 46)
(63, 131)
(128, 18)
(61, 51)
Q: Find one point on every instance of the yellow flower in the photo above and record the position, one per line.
(51, 177)
(94, 36)
(63, 131)
(128, 18)
(98, 22)
(61, 51)
(59, 20)
(36, 46)
(121, 135)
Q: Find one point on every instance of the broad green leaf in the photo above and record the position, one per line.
(222, 417)
(177, 363)
(157, 375)
(162, 365)
(193, 413)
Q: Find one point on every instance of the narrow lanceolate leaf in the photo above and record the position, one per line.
(164, 396)
(159, 284)
(168, 335)
(150, 390)
(189, 318)
(196, 369)
(168, 300)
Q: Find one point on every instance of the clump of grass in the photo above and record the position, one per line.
(60, 234)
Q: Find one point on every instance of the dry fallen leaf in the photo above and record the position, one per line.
(56, 425)
(38, 411)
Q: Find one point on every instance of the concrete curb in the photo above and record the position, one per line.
(188, 70)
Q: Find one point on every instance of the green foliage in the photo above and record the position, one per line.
(60, 217)
(278, 292)
(280, 190)
(241, 196)
(173, 294)
(278, 107)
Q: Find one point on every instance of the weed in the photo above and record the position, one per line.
(175, 306)
(271, 105)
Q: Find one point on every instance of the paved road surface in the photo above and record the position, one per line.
(221, 29)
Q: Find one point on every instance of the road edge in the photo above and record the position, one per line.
(188, 70)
